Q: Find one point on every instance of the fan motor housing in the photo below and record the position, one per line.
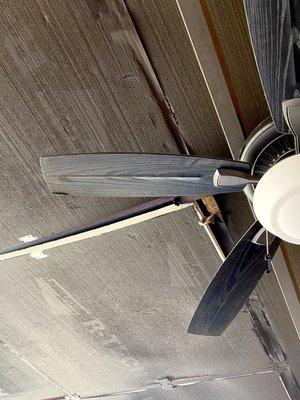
(264, 148)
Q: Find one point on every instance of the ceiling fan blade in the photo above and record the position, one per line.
(136, 175)
(233, 284)
(144, 212)
(270, 24)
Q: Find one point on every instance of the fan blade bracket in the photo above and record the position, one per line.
(225, 177)
(291, 112)
(260, 237)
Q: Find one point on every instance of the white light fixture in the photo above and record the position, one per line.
(276, 199)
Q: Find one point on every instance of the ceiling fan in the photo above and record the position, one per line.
(268, 172)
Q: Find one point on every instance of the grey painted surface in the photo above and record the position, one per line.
(112, 313)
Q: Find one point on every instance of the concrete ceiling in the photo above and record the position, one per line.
(110, 313)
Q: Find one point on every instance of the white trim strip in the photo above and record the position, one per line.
(43, 244)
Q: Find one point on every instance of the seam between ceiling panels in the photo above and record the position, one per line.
(167, 384)
(148, 70)
(265, 333)
(7, 346)
(136, 44)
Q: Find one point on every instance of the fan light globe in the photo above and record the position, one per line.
(276, 199)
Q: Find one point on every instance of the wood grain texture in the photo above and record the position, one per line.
(271, 32)
(292, 257)
(232, 285)
(57, 100)
(136, 175)
(170, 50)
(228, 26)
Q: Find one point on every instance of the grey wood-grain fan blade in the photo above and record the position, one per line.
(136, 175)
(271, 29)
(149, 210)
(232, 285)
